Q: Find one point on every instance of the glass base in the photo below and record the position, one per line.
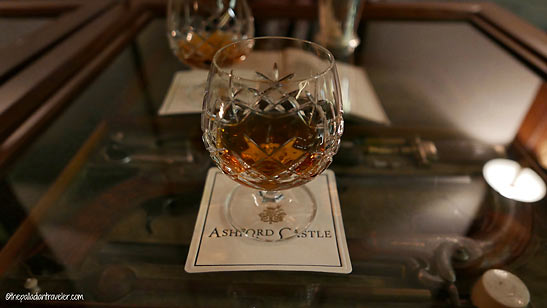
(270, 215)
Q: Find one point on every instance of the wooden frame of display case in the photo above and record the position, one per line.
(33, 67)
(68, 17)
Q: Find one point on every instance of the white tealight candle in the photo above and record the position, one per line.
(500, 289)
(512, 181)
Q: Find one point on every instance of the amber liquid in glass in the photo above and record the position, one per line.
(198, 49)
(272, 152)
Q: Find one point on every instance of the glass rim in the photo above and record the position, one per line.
(315, 76)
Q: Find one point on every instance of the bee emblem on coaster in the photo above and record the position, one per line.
(272, 214)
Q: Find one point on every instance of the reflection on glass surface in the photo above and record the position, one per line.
(448, 75)
(422, 225)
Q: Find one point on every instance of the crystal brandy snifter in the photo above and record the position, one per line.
(272, 121)
(196, 29)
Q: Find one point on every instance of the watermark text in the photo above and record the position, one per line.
(10, 296)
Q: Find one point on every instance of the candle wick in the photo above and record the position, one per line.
(517, 176)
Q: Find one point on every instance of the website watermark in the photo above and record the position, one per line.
(10, 296)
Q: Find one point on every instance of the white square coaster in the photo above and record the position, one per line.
(217, 246)
(185, 95)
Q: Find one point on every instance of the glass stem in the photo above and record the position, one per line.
(272, 196)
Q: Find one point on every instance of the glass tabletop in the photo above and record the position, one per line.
(103, 203)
